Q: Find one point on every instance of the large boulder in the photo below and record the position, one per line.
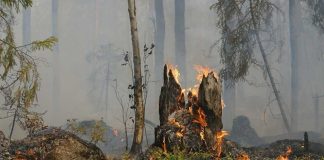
(243, 133)
(55, 144)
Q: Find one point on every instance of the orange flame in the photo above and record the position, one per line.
(285, 156)
(179, 134)
(202, 135)
(164, 145)
(223, 104)
(190, 110)
(243, 156)
(172, 121)
(201, 119)
(219, 142)
(203, 71)
(175, 72)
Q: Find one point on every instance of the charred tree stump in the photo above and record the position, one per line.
(171, 98)
(194, 126)
(209, 99)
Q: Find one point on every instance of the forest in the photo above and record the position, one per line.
(161, 79)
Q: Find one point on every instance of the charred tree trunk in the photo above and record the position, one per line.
(171, 98)
(190, 128)
(138, 92)
(267, 67)
(210, 100)
(180, 38)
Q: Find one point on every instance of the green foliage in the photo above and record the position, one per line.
(237, 30)
(20, 79)
(96, 131)
(16, 4)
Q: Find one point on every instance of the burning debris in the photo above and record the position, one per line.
(195, 125)
(191, 125)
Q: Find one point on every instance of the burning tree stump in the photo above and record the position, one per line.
(171, 98)
(210, 100)
(194, 126)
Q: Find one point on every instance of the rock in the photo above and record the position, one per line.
(243, 133)
(55, 144)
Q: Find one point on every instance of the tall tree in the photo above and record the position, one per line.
(138, 90)
(229, 84)
(56, 57)
(180, 38)
(244, 37)
(159, 38)
(295, 23)
(20, 80)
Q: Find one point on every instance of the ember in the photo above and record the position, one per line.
(190, 126)
(175, 72)
(285, 156)
(219, 136)
(201, 119)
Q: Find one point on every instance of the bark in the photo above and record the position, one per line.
(209, 99)
(294, 23)
(171, 98)
(138, 92)
(267, 67)
(180, 38)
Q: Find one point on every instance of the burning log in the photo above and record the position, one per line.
(171, 97)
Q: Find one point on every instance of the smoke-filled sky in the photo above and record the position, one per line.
(93, 34)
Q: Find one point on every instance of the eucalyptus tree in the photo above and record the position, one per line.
(20, 79)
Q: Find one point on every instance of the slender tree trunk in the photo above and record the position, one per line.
(13, 124)
(56, 65)
(294, 24)
(138, 92)
(180, 39)
(26, 25)
(266, 64)
(159, 45)
(126, 135)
